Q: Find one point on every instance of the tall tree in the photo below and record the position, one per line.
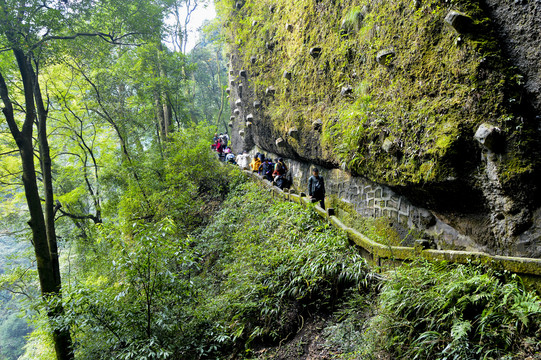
(29, 29)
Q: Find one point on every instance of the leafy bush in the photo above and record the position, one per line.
(436, 311)
(266, 264)
(185, 183)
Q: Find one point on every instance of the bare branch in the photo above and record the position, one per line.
(94, 218)
(10, 152)
(110, 38)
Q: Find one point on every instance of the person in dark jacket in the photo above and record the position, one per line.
(265, 169)
(316, 188)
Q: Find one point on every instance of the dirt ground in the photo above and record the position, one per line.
(307, 344)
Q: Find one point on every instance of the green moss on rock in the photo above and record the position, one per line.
(439, 86)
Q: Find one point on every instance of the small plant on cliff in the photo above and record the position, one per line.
(352, 21)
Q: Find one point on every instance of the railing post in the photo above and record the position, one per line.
(302, 195)
(330, 212)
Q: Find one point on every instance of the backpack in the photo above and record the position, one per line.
(318, 189)
(280, 182)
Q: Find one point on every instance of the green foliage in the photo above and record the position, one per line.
(13, 329)
(130, 289)
(14, 274)
(210, 80)
(438, 311)
(265, 264)
(185, 182)
(125, 306)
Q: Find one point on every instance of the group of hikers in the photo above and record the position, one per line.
(220, 146)
(275, 171)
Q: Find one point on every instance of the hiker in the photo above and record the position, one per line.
(288, 179)
(316, 188)
(278, 170)
(256, 163)
(243, 160)
(219, 148)
(278, 175)
(214, 142)
(266, 169)
(282, 164)
(230, 158)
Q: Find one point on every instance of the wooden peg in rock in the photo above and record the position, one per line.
(241, 133)
(315, 52)
(230, 124)
(461, 22)
(257, 104)
(236, 112)
(270, 91)
(242, 73)
(231, 72)
(253, 59)
(293, 132)
(289, 27)
(232, 118)
(280, 142)
(228, 91)
(385, 57)
(317, 124)
(238, 103)
(287, 75)
(254, 23)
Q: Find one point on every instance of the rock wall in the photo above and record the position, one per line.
(422, 107)
(518, 25)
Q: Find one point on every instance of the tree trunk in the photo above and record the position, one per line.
(160, 118)
(42, 224)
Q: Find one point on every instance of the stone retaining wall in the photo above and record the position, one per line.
(375, 200)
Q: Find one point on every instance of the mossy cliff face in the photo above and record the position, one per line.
(391, 91)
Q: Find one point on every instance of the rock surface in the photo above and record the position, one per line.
(519, 29)
(447, 127)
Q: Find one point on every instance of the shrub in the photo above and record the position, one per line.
(438, 311)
